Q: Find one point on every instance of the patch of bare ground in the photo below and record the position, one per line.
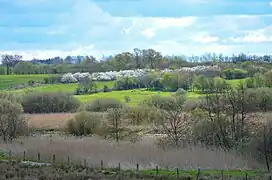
(94, 149)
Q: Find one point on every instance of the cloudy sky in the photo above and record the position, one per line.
(46, 28)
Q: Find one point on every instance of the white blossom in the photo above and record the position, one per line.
(113, 75)
(68, 78)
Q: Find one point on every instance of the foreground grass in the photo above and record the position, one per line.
(15, 170)
(8, 80)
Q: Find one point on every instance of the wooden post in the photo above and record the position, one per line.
(24, 155)
(198, 174)
(39, 156)
(119, 166)
(101, 164)
(68, 160)
(222, 175)
(157, 170)
(246, 177)
(85, 163)
(177, 172)
(10, 155)
(54, 158)
(137, 167)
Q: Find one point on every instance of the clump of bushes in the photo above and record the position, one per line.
(45, 102)
(52, 79)
(84, 123)
(103, 104)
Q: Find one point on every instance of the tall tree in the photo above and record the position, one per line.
(10, 61)
(137, 56)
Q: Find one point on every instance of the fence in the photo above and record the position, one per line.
(224, 175)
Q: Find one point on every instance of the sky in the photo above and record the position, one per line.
(48, 28)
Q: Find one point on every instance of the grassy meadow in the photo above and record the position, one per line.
(9, 80)
(136, 95)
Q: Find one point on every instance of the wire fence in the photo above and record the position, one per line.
(157, 171)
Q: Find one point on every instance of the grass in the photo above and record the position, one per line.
(9, 80)
(15, 170)
(235, 82)
(70, 88)
(136, 95)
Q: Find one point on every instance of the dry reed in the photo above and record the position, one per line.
(144, 153)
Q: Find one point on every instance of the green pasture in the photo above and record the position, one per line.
(70, 88)
(136, 95)
(9, 80)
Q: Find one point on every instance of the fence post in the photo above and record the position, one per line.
(101, 164)
(222, 175)
(119, 167)
(10, 155)
(24, 155)
(246, 176)
(54, 158)
(177, 172)
(198, 174)
(85, 163)
(157, 170)
(39, 156)
(137, 171)
(68, 160)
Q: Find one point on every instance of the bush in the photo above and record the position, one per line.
(12, 121)
(166, 103)
(45, 102)
(106, 89)
(52, 79)
(235, 73)
(11, 96)
(103, 104)
(84, 123)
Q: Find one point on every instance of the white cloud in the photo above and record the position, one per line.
(149, 33)
(43, 54)
(155, 24)
(270, 3)
(88, 30)
(257, 36)
(204, 37)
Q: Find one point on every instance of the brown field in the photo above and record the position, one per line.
(53, 121)
(94, 149)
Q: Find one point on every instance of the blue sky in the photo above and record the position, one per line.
(47, 28)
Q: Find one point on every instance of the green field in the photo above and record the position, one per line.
(136, 95)
(9, 80)
(70, 88)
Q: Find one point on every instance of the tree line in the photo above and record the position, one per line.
(139, 58)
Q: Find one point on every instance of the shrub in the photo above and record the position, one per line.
(103, 104)
(52, 79)
(45, 102)
(106, 89)
(166, 103)
(127, 99)
(84, 123)
(12, 121)
(235, 73)
(11, 96)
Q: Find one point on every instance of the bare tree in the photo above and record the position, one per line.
(176, 127)
(115, 129)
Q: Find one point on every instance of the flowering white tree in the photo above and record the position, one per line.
(113, 75)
